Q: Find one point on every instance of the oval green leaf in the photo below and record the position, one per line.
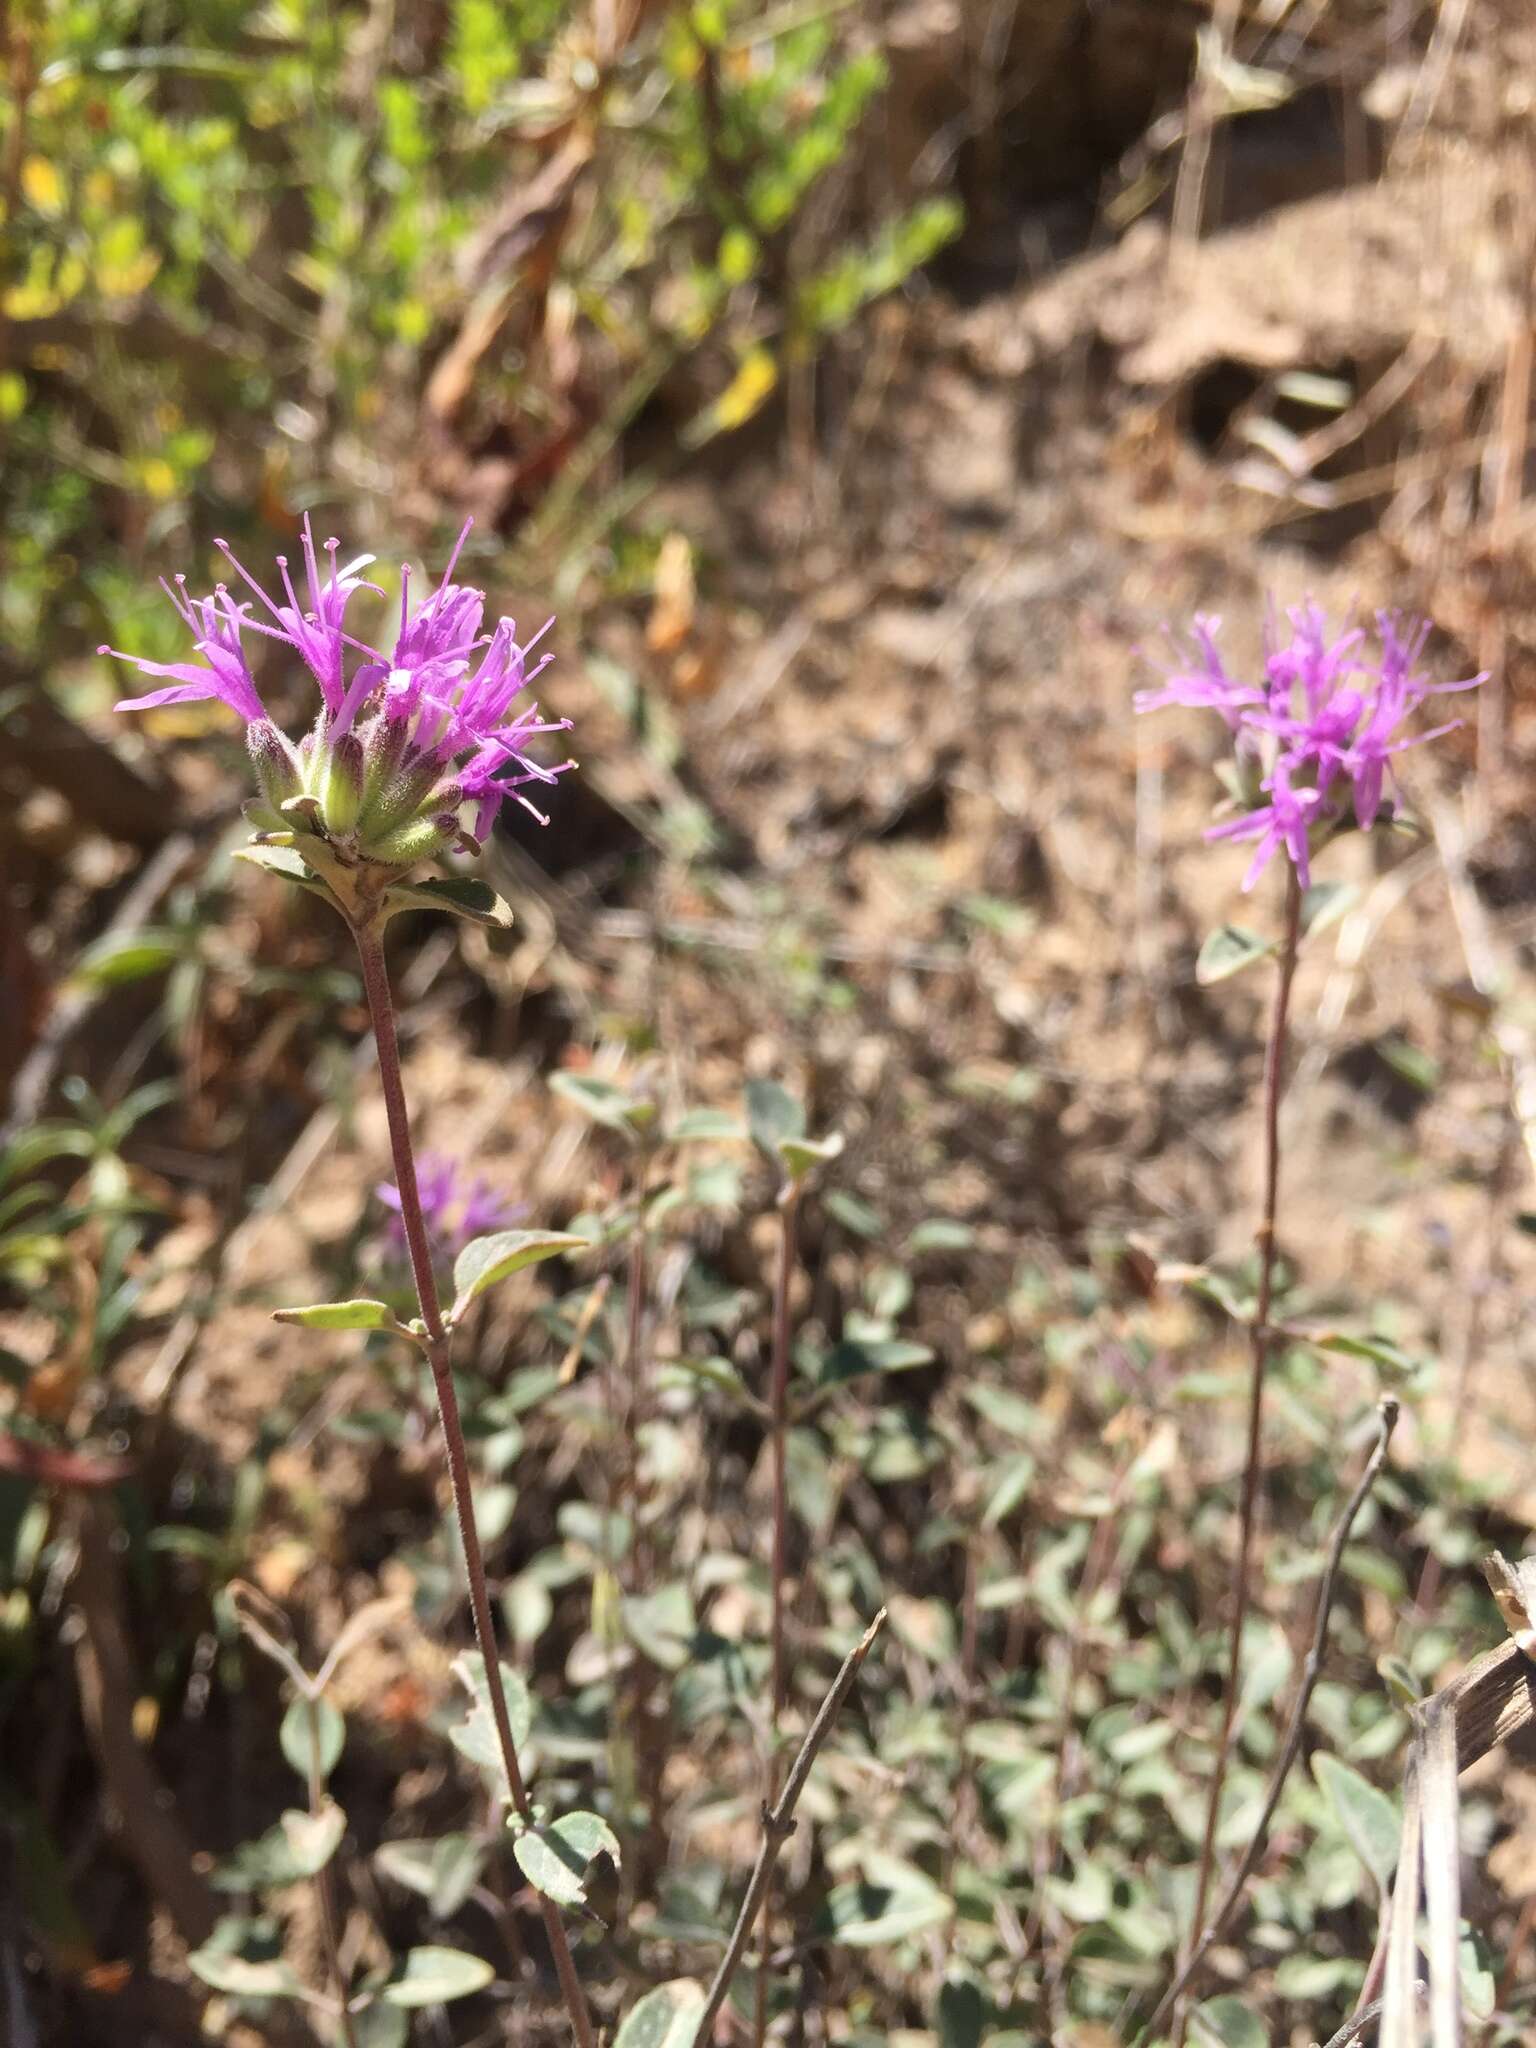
(1369, 1819)
(435, 1976)
(311, 1738)
(665, 2018)
(554, 1857)
(340, 1315)
(486, 1260)
(241, 1979)
(1228, 950)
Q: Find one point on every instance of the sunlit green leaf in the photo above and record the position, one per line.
(554, 1856)
(435, 1976)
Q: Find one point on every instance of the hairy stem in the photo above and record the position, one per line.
(1262, 1338)
(778, 1403)
(1290, 1748)
(381, 1010)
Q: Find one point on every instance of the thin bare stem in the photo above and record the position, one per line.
(778, 1397)
(325, 1885)
(1290, 1749)
(1262, 1338)
(778, 1402)
(779, 1825)
(634, 1363)
(381, 1010)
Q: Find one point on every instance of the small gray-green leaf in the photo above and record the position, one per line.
(340, 1315)
(1228, 2023)
(800, 1155)
(1325, 903)
(692, 1126)
(241, 1979)
(554, 1857)
(1367, 1816)
(312, 1735)
(476, 1738)
(283, 861)
(459, 895)
(434, 1976)
(862, 1915)
(773, 1115)
(381, 2026)
(604, 1101)
(1228, 950)
(665, 2018)
(313, 1838)
(486, 1260)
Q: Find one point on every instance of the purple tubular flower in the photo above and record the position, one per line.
(453, 1209)
(1202, 683)
(1283, 822)
(439, 727)
(215, 624)
(317, 634)
(1325, 722)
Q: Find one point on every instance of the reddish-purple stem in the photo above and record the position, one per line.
(381, 1010)
(1262, 1336)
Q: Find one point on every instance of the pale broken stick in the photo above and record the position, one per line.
(778, 1826)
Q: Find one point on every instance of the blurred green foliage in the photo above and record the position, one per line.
(240, 241)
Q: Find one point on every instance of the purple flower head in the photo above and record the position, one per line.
(1326, 723)
(453, 1208)
(415, 750)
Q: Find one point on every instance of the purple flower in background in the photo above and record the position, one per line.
(1325, 722)
(415, 749)
(453, 1208)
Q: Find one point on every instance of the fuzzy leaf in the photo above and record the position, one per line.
(1228, 950)
(241, 1979)
(119, 957)
(486, 1260)
(799, 1156)
(604, 1101)
(286, 863)
(693, 1125)
(313, 1838)
(1367, 1816)
(443, 1871)
(773, 1115)
(340, 1315)
(476, 1738)
(849, 1358)
(433, 1976)
(554, 1857)
(870, 1915)
(460, 895)
(312, 1734)
(1325, 903)
(1228, 2023)
(665, 2018)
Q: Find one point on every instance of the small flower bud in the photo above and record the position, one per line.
(403, 796)
(421, 839)
(384, 749)
(342, 785)
(277, 769)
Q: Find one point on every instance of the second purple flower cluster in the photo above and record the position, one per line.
(1316, 734)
